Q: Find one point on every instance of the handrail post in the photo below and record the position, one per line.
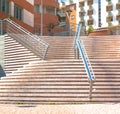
(80, 50)
(1, 27)
(77, 53)
(90, 89)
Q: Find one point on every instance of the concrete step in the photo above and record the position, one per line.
(63, 79)
(13, 51)
(21, 58)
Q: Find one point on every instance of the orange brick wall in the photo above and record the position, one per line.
(71, 20)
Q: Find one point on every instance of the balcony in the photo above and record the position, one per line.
(118, 6)
(118, 17)
(61, 13)
(109, 18)
(81, 13)
(90, 21)
(82, 22)
(90, 11)
(81, 4)
(62, 23)
(90, 2)
(109, 7)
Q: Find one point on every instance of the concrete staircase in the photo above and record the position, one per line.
(60, 78)
(16, 55)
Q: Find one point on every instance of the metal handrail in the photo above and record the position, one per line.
(1, 27)
(88, 60)
(25, 31)
(85, 59)
(77, 34)
(26, 38)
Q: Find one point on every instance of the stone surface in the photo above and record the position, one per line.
(61, 109)
(1, 51)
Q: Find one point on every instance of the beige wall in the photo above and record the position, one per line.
(28, 18)
(30, 1)
(2, 51)
(12, 8)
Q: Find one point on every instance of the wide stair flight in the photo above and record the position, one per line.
(61, 78)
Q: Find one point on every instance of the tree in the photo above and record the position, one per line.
(50, 27)
(90, 29)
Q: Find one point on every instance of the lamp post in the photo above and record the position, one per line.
(41, 18)
(69, 13)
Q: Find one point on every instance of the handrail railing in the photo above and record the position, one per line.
(1, 27)
(26, 38)
(78, 46)
(88, 60)
(77, 34)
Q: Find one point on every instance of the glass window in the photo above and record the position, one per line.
(72, 17)
(99, 13)
(71, 1)
(49, 10)
(18, 12)
(36, 8)
(4, 6)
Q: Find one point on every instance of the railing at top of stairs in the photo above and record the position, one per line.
(80, 49)
(24, 37)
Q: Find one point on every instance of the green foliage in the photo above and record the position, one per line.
(108, 0)
(50, 26)
(10, 16)
(90, 29)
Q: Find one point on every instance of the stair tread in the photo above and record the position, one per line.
(61, 78)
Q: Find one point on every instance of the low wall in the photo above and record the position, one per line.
(99, 33)
(2, 73)
(2, 51)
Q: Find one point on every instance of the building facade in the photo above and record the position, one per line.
(71, 18)
(45, 15)
(67, 16)
(31, 14)
(97, 13)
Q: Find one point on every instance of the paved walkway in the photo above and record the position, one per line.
(61, 109)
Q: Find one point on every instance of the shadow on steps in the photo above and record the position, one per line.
(2, 73)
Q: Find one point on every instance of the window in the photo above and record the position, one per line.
(72, 8)
(72, 17)
(90, 22)
(109, 7)
(36, 8)
(56, 0)
(18, 12)
(90, 11)
(90, 2)
(81, 4)
(109, 18)
(71, 1)
(118, 5)
(63, 3)
(4, 6)
(49, 10)
(118, 17)
(99, 13)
